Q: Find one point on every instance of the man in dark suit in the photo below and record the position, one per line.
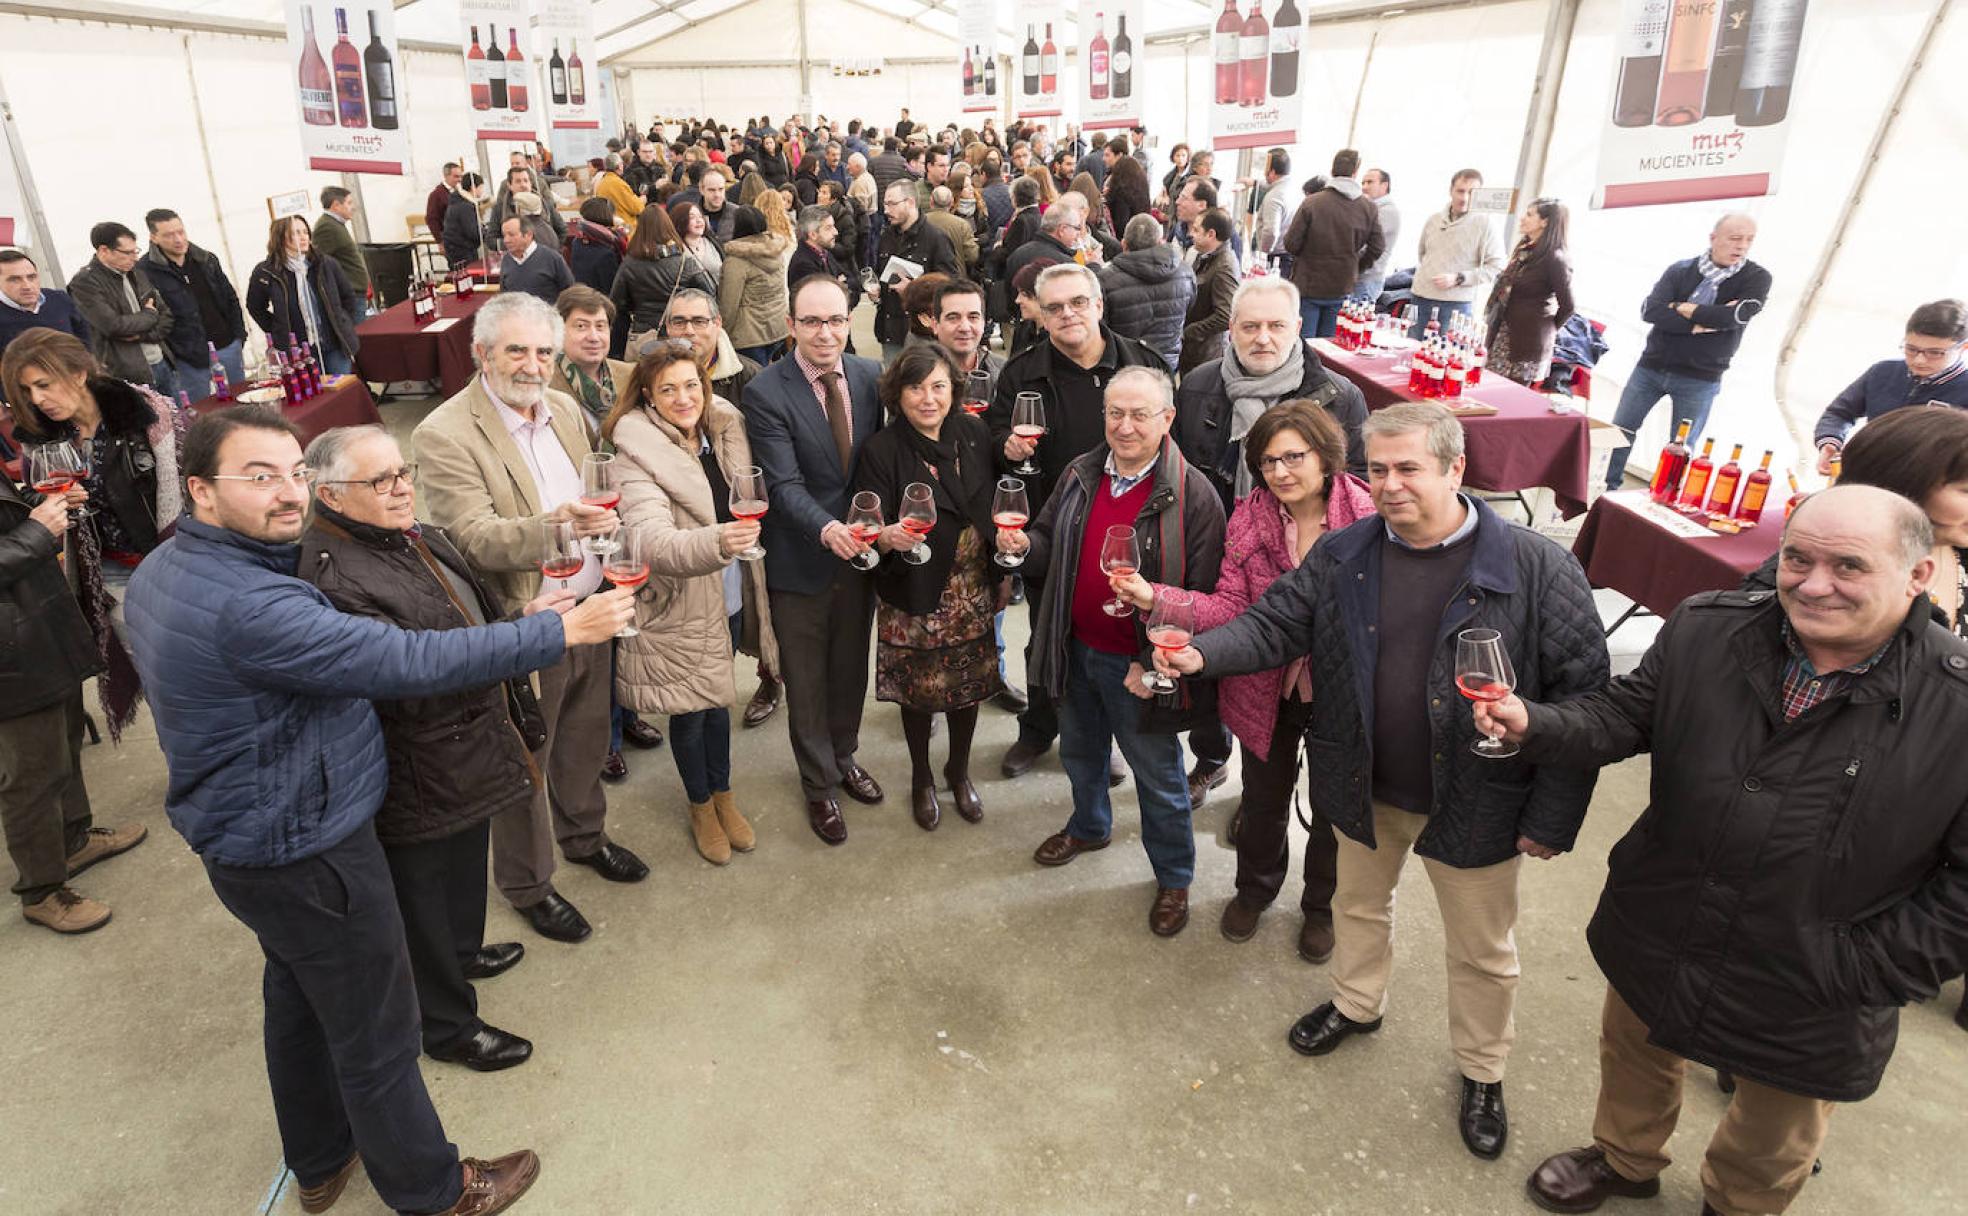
(808, 417)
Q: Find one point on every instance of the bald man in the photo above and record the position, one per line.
(1801, 869)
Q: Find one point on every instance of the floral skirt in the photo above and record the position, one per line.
(947, 659)
(1526, 371)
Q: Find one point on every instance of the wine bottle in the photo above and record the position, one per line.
(1642, 33)
(1669, 466)
(577, 76)
(516, 69)
(495, 70)
(1049, 63)
(380, 70)
(1479, 362)
(1028, 62)
(1254, 57)
(1228, 47)
(1756, 491)
(557, 76)
(969, 76)
(1796, 495)
(475, 76)
(1725, 69)
(1769, 62)
(351, 102)
(1286, 27)
(991, 76)
(221, 387)
(1694, 487)
(317, 84)
(1123, 60)
(1722, 499)
(1097, 65)
(1684, 68)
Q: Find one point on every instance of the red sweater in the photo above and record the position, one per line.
(1091, 625)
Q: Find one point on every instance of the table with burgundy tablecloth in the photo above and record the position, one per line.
(346, 402)
(1623, 550)
(395, 347)
(1523, 445)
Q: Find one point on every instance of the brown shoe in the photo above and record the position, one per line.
(1202, 779)
(104, 843)
(969, 805)
(321, 1198)
(825, 816)
(1021, 757)
(1315, 940)
(736, 831)
(924, 807)
(859, 785)
(1059, 848)
(708, 835)
(493, 1186)
(1240, 919)
(1170, 911)
(764, 702)
(66, 912)
(1582, 1179)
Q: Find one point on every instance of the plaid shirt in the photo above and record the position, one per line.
(1804, 688)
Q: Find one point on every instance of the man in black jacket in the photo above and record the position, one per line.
(911, 238)
(204, 306)
(1376, 609)
(1801, 869)
(1698, 311)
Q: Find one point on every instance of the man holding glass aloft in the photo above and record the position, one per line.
(1378, 608)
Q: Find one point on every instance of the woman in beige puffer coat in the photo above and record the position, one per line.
(699, 601)
(752, 286)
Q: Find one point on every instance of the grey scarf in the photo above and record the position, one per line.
(1252, 395)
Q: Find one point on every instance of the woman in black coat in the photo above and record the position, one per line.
(936, 650)
(297, 296)
(771, 162)
(1532, 299)
(806, 182)
(594, 245)
(464, 240)
(656, 268)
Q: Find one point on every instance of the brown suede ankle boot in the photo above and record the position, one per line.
(736, 830)
(711, 841)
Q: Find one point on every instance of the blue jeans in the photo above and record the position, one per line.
(334, 361)
(1318, 318)
(197, 381)
(164, 378)
(1096, 713)
(1441, 310)
(1370, 286)
(1690, 397)
(700, 742)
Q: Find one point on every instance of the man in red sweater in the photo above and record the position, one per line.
(440, 198)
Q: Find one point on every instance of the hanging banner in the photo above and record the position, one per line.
(349, 96)
(573, 95)
(1256, 87)
(977, 33)
(1701, 100)
(498, 62)
(1036, 75)
(1110, 86)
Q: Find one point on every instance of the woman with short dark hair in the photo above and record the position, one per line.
(1532, 299)
(595, 245)
(656, 267)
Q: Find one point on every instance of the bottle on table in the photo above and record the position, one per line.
(1756, 491)
(221, 387)
(1728, 478)
(1694, 487)
(1670, 467)
(1796, 495)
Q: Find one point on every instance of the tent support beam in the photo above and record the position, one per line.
(1542, 117)
(205, 152)
(44, 242)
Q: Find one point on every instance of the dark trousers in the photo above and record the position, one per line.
(823, 654)
(341, 1022)
(1263, 852)
(1038, 726)
(1209, 738)
(44, 806)
(576, 697)
(440, 889)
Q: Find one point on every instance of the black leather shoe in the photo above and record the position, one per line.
(490, 1050)
(641, 734)
(1019, 760)
(495, 958)
(824, 815)
(1580, 1179)
(1012, 700)
(614, 768)
(1320, 1031)
(860, 786)
(614, 863)
(1484, 1124)
(555, 918)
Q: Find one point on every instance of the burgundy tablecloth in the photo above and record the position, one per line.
(1520, 446)
(395, 347)
(1623, 550)
(347, 403)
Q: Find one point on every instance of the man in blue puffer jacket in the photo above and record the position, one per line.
(260, 690)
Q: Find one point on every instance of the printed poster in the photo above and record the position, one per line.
(498, 69)
(977, 58)
(573, 87)
(1257, 75)
(1036, 77)
(347, 86)
(1110, 82)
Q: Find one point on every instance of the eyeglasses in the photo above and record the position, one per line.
(1290, 460)
(381, 483)
(1059, 308)
(299, 478)
(690, 322)
(840, 321)
(1928, 352)
(1137, 417)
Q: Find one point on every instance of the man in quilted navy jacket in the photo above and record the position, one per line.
(1376, 608)
(260, 690)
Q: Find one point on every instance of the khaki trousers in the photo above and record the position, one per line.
(1479, 918)
(1761, 1152)
(575, 701)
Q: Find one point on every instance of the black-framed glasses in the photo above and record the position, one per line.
(1290, 460)
(381, 483)
(839, 321)
(690, 322)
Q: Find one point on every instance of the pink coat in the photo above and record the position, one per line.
(1255, 554)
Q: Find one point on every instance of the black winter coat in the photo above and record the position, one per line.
(188, 336)
(120, 452)
(454, 759)
(46, 649)
(463, 240)
(1073, 427)
(643, 286)
(888, 463)
(1790, 884)
(1518, 583)
(1202, 419)
(924, 246)
(270, 300)
(1148, 293)
(592, 256)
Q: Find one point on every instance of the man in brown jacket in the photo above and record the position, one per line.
(1333, 239)
(495, 463)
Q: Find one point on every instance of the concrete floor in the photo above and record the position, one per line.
(911, 1022)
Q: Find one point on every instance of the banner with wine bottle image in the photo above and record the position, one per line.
(1036, 73)
(573, 95)
(977, 34)
(1110, 92)
(499, 69)
(1257, 93)
(1701, 100)
(350, 93)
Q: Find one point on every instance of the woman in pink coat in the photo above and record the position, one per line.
(1297, 455)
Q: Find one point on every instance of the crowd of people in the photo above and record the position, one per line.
(377, 675)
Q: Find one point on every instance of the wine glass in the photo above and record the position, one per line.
(626, 566)
(1028, 421)
(748, 501)
(53, 468)
(1410, 317)
(977, 394)
(864, 523)
(1483, 673)
(1119, 557)
(561, 555)
(919, 517)
(1170, 626)
(598, 489)
(1010, 511)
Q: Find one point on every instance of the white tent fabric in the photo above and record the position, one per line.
(111, 114)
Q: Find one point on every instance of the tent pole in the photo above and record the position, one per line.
(205, 152)
(1543, 114)
(44, 242)
(805, 68)
(1360, 94)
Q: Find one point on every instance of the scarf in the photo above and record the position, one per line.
(1252, 395)
(596, 396)
(1713, 277)
(297, 264)
(939, 458)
